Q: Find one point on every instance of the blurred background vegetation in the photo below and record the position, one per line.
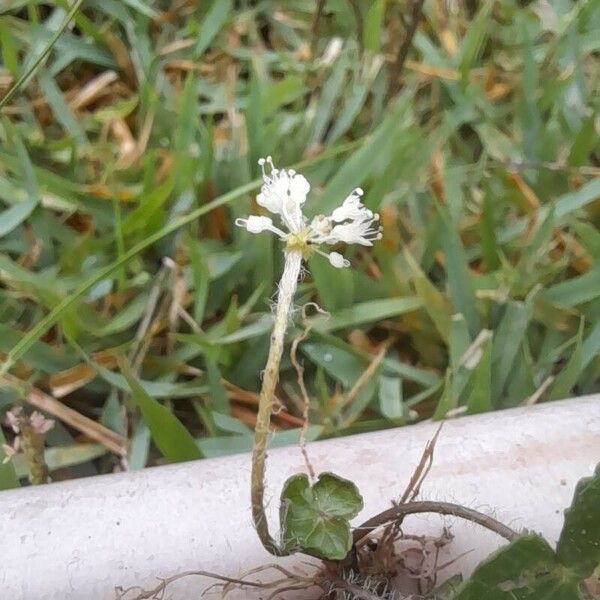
(472, 127)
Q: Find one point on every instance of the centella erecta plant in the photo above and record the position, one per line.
(284, 193)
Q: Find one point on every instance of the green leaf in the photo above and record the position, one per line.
(354, 101)
(33, 67)
(590, 348)
(448, 400)
(459, 343)
(201, 279)
(459, 340)
(149, 205)
(487, 231)
(315, 519)
(575, 291)
(589, 236)
(169, 435)
(26, 170)
(391, 405)
(213, 447)
(48, 359)
(366, 312)
(142, 8)
(459, 282)
(474, 40)
(336, 291)
(218, 393)
(212, 24)
(507, 340)
(567, 378)
(447, 591)
(62, 111)
(7, 48)
(579, 543)
(155, 389)
(229, 424)
(12, 217)
(433, 301)
(333, 88)
(563, 207)
(479, 399)
(339, 362)
(372, 34)
(365, 160)
(526, 569)
(8, 476)
(584, 143)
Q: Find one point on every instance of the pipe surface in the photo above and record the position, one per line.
(79, 539)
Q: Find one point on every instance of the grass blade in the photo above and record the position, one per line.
(38, 61)
(168, 433)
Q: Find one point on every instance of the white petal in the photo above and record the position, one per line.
(258, 224)
(280, 185)
(356, 232)
(269, 200)
(255, 224)
(283, 193)
(299, 188)
(352, 208)
(338, 261)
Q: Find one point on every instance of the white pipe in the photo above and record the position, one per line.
(77, 540)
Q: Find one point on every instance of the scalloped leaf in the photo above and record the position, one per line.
(579, 543)
(526, 569)
(316, 519)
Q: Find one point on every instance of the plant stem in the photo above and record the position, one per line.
(32, 444)
(441, 508)
(285, 297)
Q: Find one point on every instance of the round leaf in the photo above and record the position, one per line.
(315, 519)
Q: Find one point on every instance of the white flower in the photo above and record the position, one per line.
(39, 423)
(284, 193)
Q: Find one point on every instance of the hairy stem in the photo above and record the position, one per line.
(285, 297)
(32, 444)
(441, 508)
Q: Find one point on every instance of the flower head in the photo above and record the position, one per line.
(284, 193)
(39, 423)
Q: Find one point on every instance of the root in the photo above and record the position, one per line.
(153, 594)
(289, 581)
(288, 577)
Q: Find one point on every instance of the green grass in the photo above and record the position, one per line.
(137, 139)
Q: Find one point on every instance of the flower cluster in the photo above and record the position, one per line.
(284, 193)
(22, 425)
